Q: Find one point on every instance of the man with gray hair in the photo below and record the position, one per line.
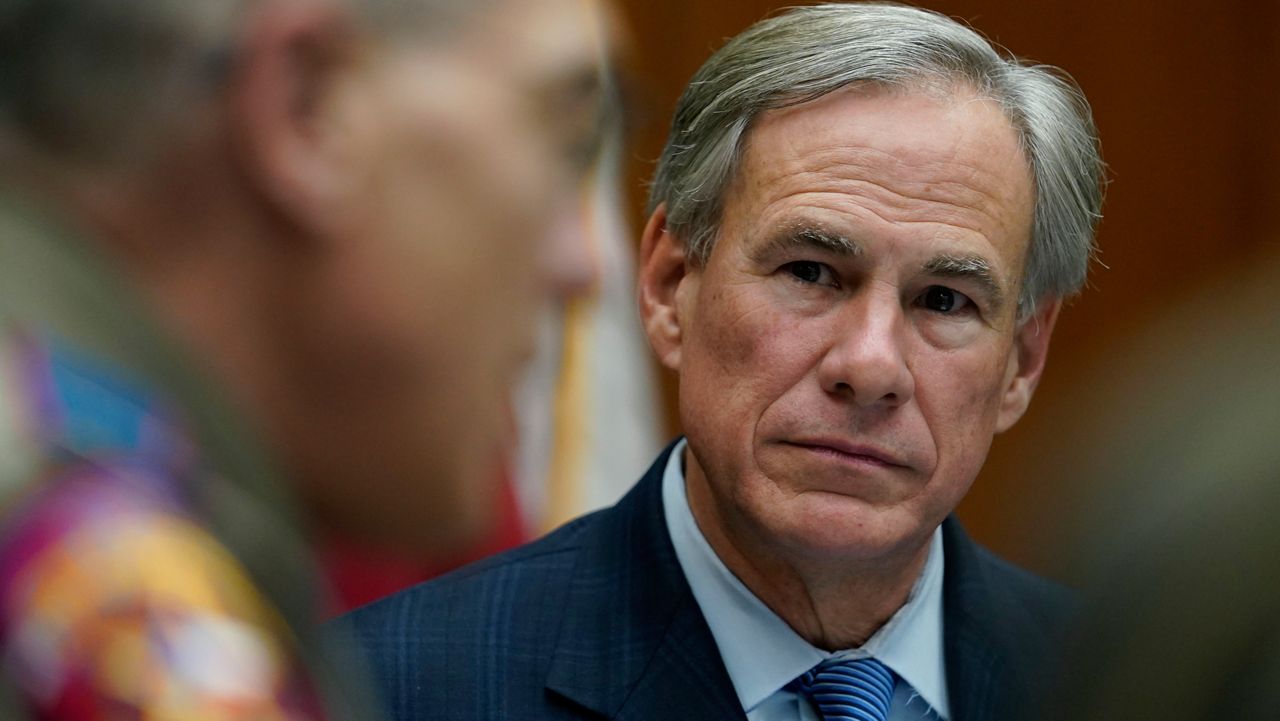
(863, 226)
(322, 223)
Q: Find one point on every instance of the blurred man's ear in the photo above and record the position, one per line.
(1026, 362)
(286, 139)
(663, 271)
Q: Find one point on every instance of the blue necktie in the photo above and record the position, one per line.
(850, 690)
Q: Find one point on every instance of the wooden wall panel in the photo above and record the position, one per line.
(1188, 105)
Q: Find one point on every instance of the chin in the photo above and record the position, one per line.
(844, 529)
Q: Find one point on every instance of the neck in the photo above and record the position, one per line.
(832, 604)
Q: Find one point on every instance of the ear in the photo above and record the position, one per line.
(283, 133)
(1026, 363)
(662, 270)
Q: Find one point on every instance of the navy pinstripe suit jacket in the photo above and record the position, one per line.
(596, 621)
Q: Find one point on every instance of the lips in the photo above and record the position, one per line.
(851, 451)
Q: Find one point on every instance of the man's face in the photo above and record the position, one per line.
(465, 220)
(850, 347)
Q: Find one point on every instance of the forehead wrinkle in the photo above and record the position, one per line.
(854, 205)
(965, 204)
(961, 183)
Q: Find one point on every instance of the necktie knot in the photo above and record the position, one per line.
(850, 690)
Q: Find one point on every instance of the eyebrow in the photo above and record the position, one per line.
(972, 268)
(810, 236)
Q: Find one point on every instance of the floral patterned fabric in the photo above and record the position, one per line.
(116, 603)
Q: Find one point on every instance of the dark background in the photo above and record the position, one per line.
(1187, 101)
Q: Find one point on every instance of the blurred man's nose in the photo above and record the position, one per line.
(865, 358)
(571, 259)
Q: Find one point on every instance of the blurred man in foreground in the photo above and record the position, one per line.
(325, 224)
(863, 226)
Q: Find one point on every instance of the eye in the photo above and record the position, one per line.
(941, 299)
(810, 271)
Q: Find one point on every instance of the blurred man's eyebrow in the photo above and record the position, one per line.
(972, 268)
(581, 80)
(572, 85)
(811, 237)
(575, 101)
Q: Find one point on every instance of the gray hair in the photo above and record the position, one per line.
(95, 80)
(808, 52)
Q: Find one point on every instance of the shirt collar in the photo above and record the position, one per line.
(910, 643)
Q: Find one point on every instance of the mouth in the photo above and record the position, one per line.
(844, 451)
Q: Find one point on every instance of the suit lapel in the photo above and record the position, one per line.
(687, 679)
(971, 660)
(986, 636)
(634, 644)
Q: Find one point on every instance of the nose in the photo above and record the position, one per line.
(570, 257)
(866, 358)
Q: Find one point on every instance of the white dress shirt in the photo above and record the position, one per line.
(763, 654)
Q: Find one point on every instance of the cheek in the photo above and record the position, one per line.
(959, 396)
(739, 359)
(745, 330)
(459, 248)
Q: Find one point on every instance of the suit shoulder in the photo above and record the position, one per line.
(982, 583)
(431, 644)
(1048, 601)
